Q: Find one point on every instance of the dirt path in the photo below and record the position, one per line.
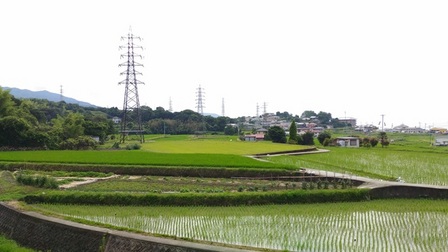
(86, 180)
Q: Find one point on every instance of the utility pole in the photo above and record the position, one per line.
(131, 122)
(382, 123)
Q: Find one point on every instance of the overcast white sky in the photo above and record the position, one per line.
(355, 58)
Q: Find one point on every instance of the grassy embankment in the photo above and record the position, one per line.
(7, 245)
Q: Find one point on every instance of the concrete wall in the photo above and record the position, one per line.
(45, 233)
(409, 191)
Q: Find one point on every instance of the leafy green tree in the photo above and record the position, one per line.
(285, 115)
(383, 139)
(338, 124)
(322, 136)
(188, 115)
(6, 102)
(324, 118)
(293, 133)
(36, 138)
(230, 130)
(13, 131)
(24, 111)
(70, 126)
(276, 134)
(308, 114)
(73, 125)
(373, 141)
(99, 129)
(307, 139)
(221, 123)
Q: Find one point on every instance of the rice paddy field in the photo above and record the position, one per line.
(381, 225)
(213, 145)
(376, 225)
(411, 166)
(136, 158)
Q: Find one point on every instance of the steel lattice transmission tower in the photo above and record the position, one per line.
(131, 122)
(200, 98)
(223, 108)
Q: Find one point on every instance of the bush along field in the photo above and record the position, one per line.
(248, 197)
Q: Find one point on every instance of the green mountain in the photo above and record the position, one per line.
(28, 94)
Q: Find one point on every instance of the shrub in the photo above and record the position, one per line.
(322, 137)
(374, 141)
(37, 181)
(201, 199)
(133, 146)
(79, 143)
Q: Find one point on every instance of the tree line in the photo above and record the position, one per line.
(43, 124)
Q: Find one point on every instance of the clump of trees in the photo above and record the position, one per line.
(276, 134)
(40, 124)
(325, 139)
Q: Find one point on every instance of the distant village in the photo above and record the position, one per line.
(259, 126)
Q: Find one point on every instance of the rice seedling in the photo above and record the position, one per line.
(395, 225)
(412, 167)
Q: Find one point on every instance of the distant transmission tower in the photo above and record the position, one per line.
(171, 106)
(200, 98)
(131, 123)
(61, 95)
(258, 108)
(223, 109)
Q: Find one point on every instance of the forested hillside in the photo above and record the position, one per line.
(42, 124)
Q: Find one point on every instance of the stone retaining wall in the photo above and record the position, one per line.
(45, 233)
(408, 191)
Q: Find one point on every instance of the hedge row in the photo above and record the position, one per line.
(187, 199)
(206, 172)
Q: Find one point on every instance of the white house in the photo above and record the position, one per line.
(441, 141)
(116, 119)
(347, 141)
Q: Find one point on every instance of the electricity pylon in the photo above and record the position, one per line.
(131, 122)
